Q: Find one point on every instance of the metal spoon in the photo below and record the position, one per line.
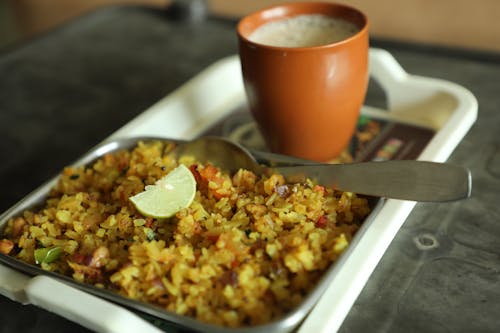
(402, 179)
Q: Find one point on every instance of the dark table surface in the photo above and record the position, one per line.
(62, 93)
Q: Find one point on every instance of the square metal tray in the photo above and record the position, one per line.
(284, 324)
(447, 108)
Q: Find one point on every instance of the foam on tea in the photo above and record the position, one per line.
(304, 31)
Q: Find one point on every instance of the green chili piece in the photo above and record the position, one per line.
(150, 234)
(47, 255)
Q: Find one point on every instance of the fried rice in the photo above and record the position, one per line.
(246, 243)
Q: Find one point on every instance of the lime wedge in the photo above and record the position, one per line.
(170, 194)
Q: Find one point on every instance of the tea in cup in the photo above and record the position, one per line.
(305, 72)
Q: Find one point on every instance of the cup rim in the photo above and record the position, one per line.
(280, 13)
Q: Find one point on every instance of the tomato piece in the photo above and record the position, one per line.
(322, 222)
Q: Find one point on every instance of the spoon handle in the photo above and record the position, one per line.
(406, 179)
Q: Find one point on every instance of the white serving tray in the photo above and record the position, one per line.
(190, 110)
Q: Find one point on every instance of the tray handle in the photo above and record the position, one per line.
(87, 310)
(403, 89)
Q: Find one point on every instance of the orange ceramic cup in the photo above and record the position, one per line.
(305, 100)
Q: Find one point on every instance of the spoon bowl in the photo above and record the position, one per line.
(221, 152)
